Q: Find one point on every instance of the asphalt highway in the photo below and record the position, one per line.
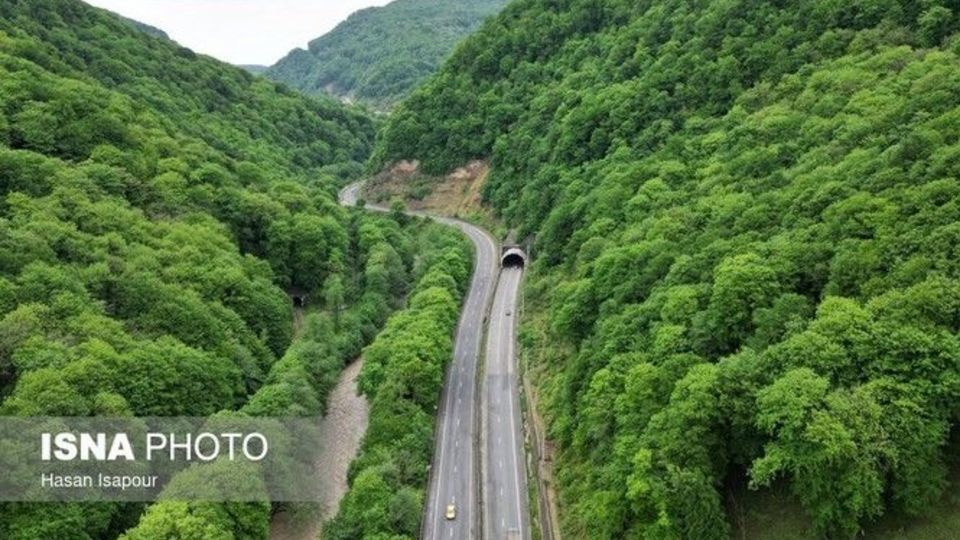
(504, 477)
(455, 464)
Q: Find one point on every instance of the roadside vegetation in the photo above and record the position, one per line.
(300, 382)
(747, 218)
(402, 378)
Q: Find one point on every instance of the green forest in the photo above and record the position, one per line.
(747, 237)
(745, 217)
(394, 253)
(380, 54)
(155, 208)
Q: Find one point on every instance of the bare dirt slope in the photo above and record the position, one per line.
(457, 194)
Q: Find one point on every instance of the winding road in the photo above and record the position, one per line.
(501, 496)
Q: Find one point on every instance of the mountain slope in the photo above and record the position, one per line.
(379, 54)
(746, 222)
(154, 204)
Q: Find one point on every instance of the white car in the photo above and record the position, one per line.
(451, 512)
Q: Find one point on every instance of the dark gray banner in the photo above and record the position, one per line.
(223, 458)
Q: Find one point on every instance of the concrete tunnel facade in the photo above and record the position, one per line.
(513, 256)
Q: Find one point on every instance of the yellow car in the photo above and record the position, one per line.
(451, 512)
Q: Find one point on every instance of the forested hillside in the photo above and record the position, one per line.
(747, 220)
(379, 54)
(154, 205)
(395, 253)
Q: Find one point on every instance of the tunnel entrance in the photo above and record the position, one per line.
(513, 257)
(298, 297)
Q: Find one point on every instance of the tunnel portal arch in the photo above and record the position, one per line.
(513, 256)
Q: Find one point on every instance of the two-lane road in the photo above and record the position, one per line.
(504, 477)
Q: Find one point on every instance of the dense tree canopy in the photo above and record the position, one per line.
(746, 215)
(402, 376)
(134, 208)
(154, 204)
(299, 383)
(380, 54)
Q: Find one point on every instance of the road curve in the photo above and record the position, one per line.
(454, 475)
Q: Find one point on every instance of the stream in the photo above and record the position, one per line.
(342, 431)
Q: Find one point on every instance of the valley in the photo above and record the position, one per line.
(735, 310)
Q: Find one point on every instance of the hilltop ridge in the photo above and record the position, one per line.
(379, 54)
